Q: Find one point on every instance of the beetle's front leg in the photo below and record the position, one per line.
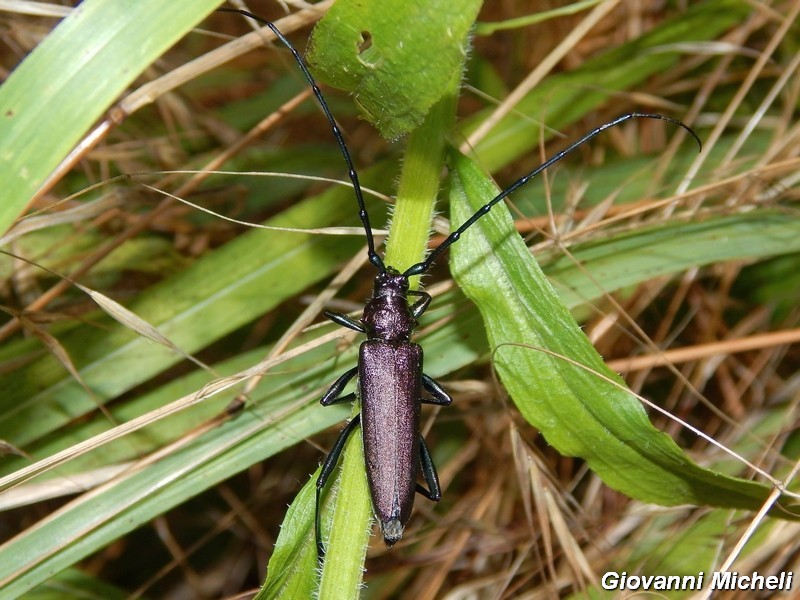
(344, 321)
(421, 305)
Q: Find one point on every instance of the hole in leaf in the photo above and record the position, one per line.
(365, 43)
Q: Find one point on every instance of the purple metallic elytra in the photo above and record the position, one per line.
(390, 377)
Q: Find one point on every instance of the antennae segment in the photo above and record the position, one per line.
(374, 257)
(423, 266)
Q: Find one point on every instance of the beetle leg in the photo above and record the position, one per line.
(438, 394)
(344, 321)
(327, 468)
(346, 398)
(421, 305)
(434, 492)
(333, 393)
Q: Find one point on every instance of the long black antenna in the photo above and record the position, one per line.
(423, 266)
(374, 257)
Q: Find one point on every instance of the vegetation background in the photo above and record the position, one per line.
(135, 321)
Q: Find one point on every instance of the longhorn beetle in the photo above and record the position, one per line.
(389, 373)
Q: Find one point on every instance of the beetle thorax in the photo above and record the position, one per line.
(386, 315)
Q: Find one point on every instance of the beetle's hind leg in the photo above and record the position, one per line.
(438, 394)
(327, 468)
(441, 398)
(429, 474)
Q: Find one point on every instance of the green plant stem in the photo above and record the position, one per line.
(343, 569)
(419, 184)
(418, 188)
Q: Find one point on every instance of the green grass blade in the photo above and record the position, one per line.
(75, 584)
(52, 99)
(564, 98)
(95, 519)
(224, 290)
(629, 258)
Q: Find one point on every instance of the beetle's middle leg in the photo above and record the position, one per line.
(332, 396)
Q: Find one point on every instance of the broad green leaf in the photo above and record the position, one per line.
(398, 57)
(292, 571)
(570, 395)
